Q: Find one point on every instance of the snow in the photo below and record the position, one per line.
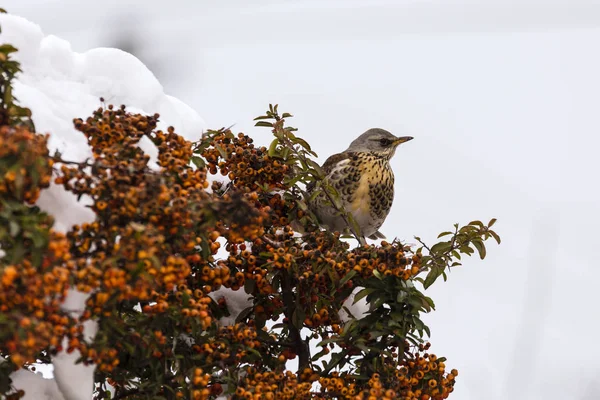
(151, 150)
(66, 372)
(58, 85)
(356, 310)
(504, 92)
(36, 386)
(236, 301)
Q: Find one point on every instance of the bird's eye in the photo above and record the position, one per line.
(384, 142)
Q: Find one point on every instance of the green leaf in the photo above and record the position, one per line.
(291, 136)
(8, 48)
(429, 302)
(441, 247)
(264, 123)
(401, 295)
(316, 167)
(313, 195)
(39, 239)
(19, 182)
(204, 248)
(378, 302)
(431, 277)
(199, 162)
(347, 277)
(444, 234)
(363, 293)
(17, 253)
(200, 147)
(222, 151)
(492, 222)
(320, 354)
(8, 99)
(244, 314)
(468, 229)
(273, 148)
(495, 236)
(480, 248)
(376, 334)
(426, 329)
(327, 341)
(466, 250)
(303, 143)
(418, 323)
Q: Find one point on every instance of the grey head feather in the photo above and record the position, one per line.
(377, 141)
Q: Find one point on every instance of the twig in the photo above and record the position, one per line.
(342, 210)
(275, 343)
(331, 366)
(344, 215)
(290, 304)
(126, 393)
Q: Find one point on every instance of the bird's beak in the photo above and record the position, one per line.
(402, 140)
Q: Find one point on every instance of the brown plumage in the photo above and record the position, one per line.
(364, 180)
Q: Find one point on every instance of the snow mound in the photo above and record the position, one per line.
(58, 85)
(36, 387)
(75, 381)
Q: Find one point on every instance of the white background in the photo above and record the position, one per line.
(503, 100)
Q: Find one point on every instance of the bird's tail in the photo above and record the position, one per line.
(377, 235)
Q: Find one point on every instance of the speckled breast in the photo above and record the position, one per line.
(365, 183)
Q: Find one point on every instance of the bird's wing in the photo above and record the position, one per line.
(333, 161)
(329, 165)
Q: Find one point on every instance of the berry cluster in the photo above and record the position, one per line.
(249, 168)
(156, 232)
(149, 262)
(25, 168)
(30, 298)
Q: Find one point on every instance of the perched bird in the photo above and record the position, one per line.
(364, 180)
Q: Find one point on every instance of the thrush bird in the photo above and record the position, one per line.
(364, 180)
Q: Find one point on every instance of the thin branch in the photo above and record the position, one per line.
(271, 241)
(275, 343)
(344, 214)
(126, 393)
(301, 347)
(332, 365)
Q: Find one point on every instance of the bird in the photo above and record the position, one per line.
(364, 179)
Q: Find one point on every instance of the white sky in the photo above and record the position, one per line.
(502, 98)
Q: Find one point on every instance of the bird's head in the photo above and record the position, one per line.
(379, 142)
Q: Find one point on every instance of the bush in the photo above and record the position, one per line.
(150, 264)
